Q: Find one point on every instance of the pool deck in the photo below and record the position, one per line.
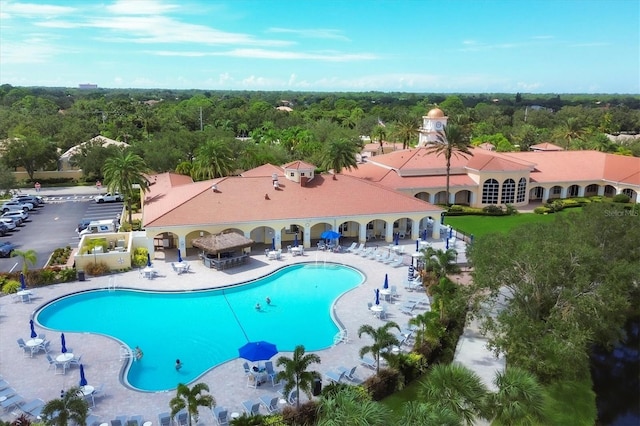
(228, 384)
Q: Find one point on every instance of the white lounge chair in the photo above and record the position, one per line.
(33, 408)
(270, 403)
(366, 252)
(349, 373)
(368, 362)
(220, 414)
(164, 419)
(359, 249)
(251, 408)
(399, 261)
(383, 256)
(341, 337)
(352, 247)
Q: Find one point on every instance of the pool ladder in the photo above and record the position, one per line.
(112, 284)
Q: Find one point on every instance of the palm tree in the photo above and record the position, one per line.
(340, 154)
(28, 257)
(70, 406)
(380, 133)
(213, 159)
(418, 413)
(295, 372)
(405, 130)
(571, 131)
(430, 329)
(455, 388)
(519, 399)
(123, 172)
(348, 406)
(451, 143)
(92, 243)
(191, 399)
(382, 339)
(440, 262)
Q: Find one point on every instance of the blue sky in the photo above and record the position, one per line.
(445, 46)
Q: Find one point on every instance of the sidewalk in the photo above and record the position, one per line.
(64, 190)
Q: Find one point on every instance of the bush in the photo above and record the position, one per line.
(621, 198)
(456, 208)
(411, 366)
(10, 287)
(96, 269)
(542, 210)
(511, 210)
(307, 414)
(493, 210)
(139, 257)
(48, 276)
(382, 384)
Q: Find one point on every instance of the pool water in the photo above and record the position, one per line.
(205, 328)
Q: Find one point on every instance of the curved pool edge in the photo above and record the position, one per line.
(126, 366)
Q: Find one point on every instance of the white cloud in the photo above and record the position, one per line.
(323, 33)
(289, 55)
(140, 7)
(34, 9)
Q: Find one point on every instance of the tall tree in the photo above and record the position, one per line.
(69, 407)
(296, 374)
(406, 130)
(190, 399)
(123, 172)
(340, 154)
(451, 143)
(213, 159)
(382, 339)
(28, 257)
(31, 152)
(571, 130)
(457, 389)
(379, 133)
(348, 406)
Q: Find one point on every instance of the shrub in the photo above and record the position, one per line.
(68, 275)
(456, 208)
(98, 268)
(411, 366)
(139, 257)
(48, 276)
(493, 210)
(307, 414)
(382, 384)
(542, 210)
(11, 286)
(511, 210)
(621, 198)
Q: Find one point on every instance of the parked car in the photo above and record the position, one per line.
(36, 200)
(9, 223)
(16, 205)
(6, 248)
(108, 198)
(83, 225)
(24, 216)
(3, 229)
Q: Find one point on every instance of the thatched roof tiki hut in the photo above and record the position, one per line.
(219, 249)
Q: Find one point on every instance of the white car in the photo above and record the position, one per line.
(19, 214)
(10, 223)
(108, 198)
(16, 205)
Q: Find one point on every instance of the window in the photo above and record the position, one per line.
(508, 191)
(490, 192)
(573, 191)
(292, 174)
(556, 190)
(522, 190)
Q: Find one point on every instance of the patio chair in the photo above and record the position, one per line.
(271, 373)
(97, 393)
(93, 420)
(75, 360)
(33, 408)
(341, 336)
(334, 376)
(135, 421)
(119, 421)
(382, 256)
(394, 292)
(26, 351)
(220, 414)
(368, 362)
(270, 403)
(349, 374)
(291, 398)
(247, 370)
(182, 418)
(398, 262)
(56, 365)
(13, 401)
(366, 252)
(352, 247)
(359, 250)
(164, 419)
(7, 392)
(251, 408)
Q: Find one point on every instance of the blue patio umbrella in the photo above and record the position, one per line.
(417, 245)
(446, 244)
(386, 281)
(83, 380)
(148, 260)
(295, 241)
(179, 257)
(377, 296)
(23, 284)
(330, 234)
(33, 331)
(396, 238)
(257, 351)
(64, 344)
(450, 232)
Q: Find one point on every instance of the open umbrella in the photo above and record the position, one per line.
(33, 331)
(377, 296)
(386, 281)
(64, 344)
(148, 260)
(179, 257)
(23, 284)
(295, 241)
(83, 380)
(330, 234)
(257, 351)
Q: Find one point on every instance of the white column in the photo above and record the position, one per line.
(432, 198)
(362, 233)
(545, 194)
(436, 229)
(306, 238)
(182, 245)
(563, 192)
(581, 191)
(388, 237)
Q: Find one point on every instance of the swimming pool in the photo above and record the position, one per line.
(205, 328)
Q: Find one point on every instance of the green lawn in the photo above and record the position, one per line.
(482, 225)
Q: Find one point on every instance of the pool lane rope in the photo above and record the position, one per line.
(235, 316)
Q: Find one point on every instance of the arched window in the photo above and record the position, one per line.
(522, 190)
(490, 191)
(508, 191)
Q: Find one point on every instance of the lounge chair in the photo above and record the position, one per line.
(251, 408)
(33, 408)
(373, 254)
(271, 373)
(93, 420)
(398, 262)
(182, 418)
(368, 362)
(7, 392)
(270, 403)
(135, 421)
(119, 421)
(383, 256)
(220, 414)
(366, 252)
(341, 336)
(292, 398)
(352, 247)
(13, 401)
(164, 419)
(349, 373)
(3, 384)
(334, 376)
(359, 250)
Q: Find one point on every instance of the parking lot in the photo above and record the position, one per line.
(54, 225)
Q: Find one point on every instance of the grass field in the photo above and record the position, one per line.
(482, 225)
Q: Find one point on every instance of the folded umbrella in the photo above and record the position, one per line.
(33, 331)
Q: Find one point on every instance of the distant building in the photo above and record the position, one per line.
(87, 86)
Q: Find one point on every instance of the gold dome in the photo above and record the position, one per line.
(435, 113)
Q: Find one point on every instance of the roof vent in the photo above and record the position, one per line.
(214, 187)
(274, 177)
(276, 184)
